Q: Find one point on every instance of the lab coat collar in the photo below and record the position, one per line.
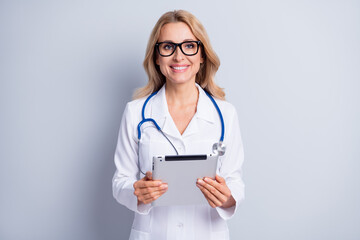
(160, 113)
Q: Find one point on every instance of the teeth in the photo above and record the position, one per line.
(179, 68)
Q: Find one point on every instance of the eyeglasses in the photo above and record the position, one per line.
(189, 48)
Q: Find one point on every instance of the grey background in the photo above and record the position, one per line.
(291, 68)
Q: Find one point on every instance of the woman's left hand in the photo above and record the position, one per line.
(216, 192)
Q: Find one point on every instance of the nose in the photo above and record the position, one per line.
(178, 55)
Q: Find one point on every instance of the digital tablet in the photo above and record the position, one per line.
(181, 172)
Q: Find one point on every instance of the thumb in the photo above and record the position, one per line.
(148, 175)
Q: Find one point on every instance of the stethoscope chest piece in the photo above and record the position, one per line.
(219, 148)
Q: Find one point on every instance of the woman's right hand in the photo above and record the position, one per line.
(148, 190)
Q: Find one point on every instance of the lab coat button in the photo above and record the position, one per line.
(180, 225)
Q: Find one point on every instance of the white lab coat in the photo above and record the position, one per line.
(191, 222)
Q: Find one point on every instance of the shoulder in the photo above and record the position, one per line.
(136, 104)
(226, 107)
(134, 107)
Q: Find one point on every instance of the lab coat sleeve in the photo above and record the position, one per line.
(231, 165)
(126, 161)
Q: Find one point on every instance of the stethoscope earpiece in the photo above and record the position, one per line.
(219, 148)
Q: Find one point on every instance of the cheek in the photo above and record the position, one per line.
(162, 65)
(197, 69)
(159, 61)
(197, 64)
(163, 68)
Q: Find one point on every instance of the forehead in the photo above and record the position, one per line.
(176, 32)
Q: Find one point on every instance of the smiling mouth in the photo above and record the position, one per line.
(179, 68)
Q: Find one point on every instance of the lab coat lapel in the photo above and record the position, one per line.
(160, 113)
(204, 112)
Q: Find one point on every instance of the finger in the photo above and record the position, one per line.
(219, 179)
(221, 187)
(148, 198)
(148, 175)
(212, 182)
(151, 195)
(205, 193)
(207, 199)
(153, 189)
(210, 185)
(214, 191)
(154, 194)
(145, 184)
(211, 193)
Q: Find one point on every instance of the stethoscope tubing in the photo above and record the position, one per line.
(144, 120)
(220, 115)
(158, 127)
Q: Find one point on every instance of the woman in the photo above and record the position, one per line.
(180, 64)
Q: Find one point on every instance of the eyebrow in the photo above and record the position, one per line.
(185, 40)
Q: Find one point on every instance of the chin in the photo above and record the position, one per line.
(180, 81)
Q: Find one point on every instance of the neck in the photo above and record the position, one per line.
(181, 94)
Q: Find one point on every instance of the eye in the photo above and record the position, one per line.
(190, 45)
(168, 46)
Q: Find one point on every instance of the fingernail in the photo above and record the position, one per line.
(164, 186)
(200, 181)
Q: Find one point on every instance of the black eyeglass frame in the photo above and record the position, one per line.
(178, 45)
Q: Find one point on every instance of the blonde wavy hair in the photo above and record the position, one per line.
(207, 71)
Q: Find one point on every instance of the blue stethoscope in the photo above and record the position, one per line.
(218, 148)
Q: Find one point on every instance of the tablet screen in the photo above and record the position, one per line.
(181, 172)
